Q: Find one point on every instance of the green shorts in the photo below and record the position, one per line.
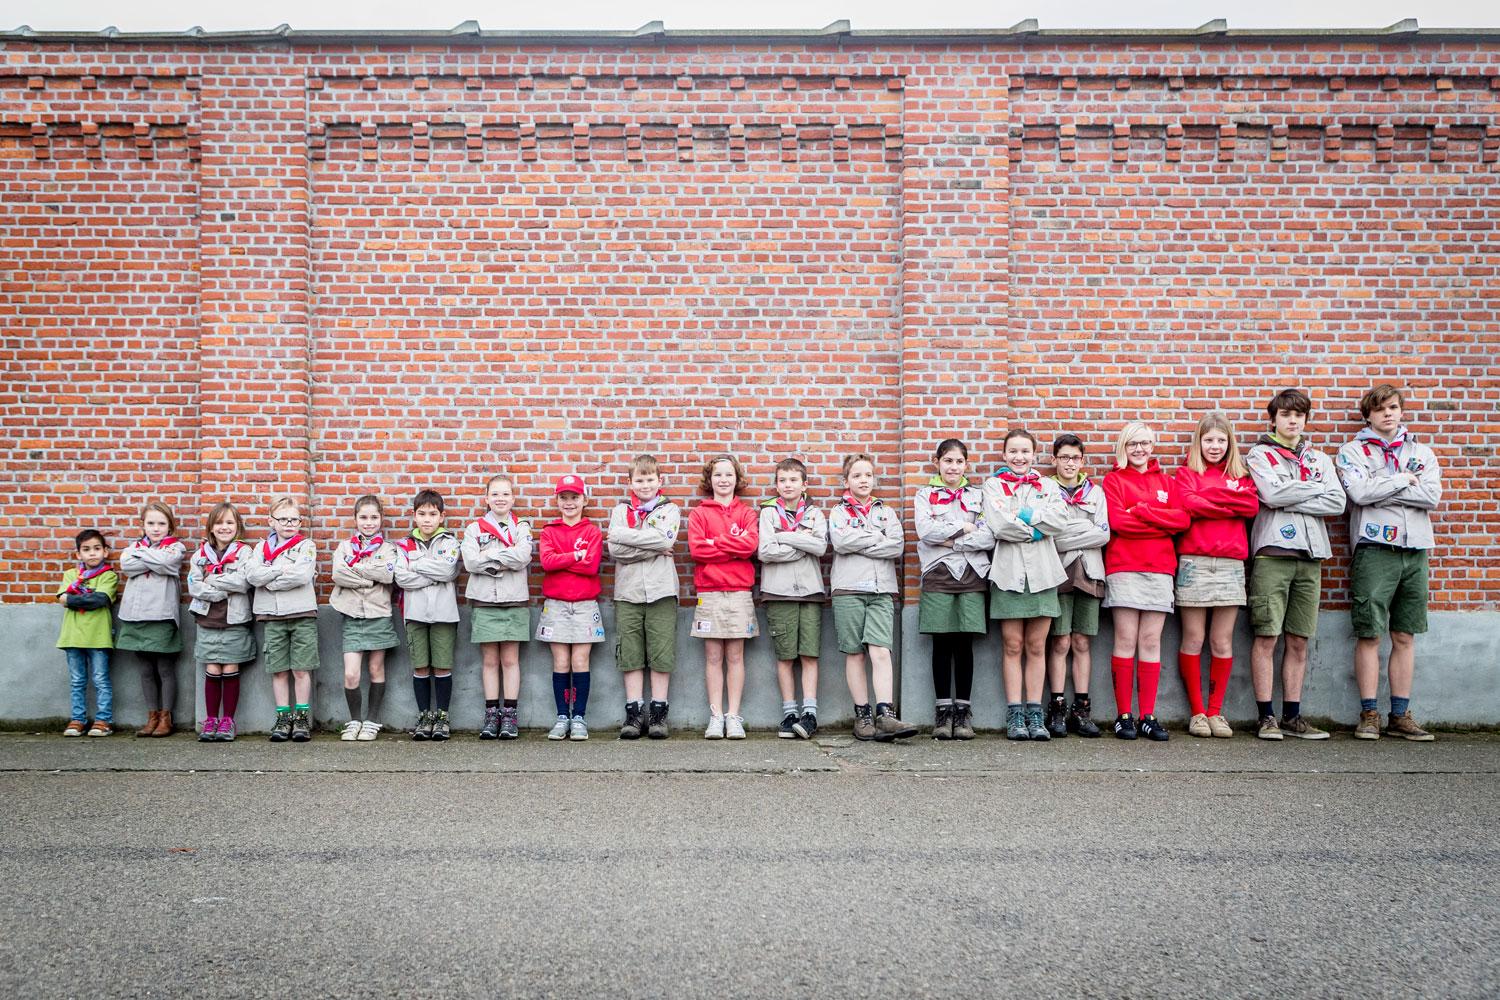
(646, 635)
(1008, 605)
(1388, 588)
(951, 613)
(861, 620)
(1284, 595)
(431, 644)
(796, 628)
(360, 635)
(290, 644)
(149, 637)
(489, 624)
(1077, 614)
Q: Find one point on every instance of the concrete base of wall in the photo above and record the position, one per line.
(1456, 672)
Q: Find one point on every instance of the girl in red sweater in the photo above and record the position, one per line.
(1139, 563)
(570, 549)
(1217, 492)
(723, 533)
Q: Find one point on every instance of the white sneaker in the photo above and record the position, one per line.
(734, 727)
(351, 730)
(368, 730)
(578, 730)
(559, 730)
(715, 730)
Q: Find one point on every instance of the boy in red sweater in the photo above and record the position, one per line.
(723, 533)
(570, 549)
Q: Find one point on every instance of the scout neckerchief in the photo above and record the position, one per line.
(361, 548)
(1010, 481)
(409, 543)
(84, 575)
(1289, 455)
(213, 562)
(489, 524)
(860, 511)
(943, 495)
(274, 547)
(1078, 495)
(792, 521)
(636, 512)
(1389, 450)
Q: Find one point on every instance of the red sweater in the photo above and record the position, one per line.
(1144, 514)
(1218, 512)
(565, 577)
(721, 541)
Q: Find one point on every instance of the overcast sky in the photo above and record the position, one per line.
(172, 15)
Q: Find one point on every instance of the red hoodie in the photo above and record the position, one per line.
(1140, 537)
(1218, 512)
(564, 577)
(721, 541)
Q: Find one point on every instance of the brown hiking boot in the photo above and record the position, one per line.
(153, 718)
(963, 721)
(889, 728)
(1406, 727)
(1369, 726)
(942, 723)
(864, 723)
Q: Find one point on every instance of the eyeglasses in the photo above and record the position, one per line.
(1134, 445)
(1068, 458)
(287, 520)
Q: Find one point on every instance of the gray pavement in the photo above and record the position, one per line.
(685, 868)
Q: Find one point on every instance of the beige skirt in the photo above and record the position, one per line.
(1210, 582)
(725, 614)
(1141, 591)
(570, 622)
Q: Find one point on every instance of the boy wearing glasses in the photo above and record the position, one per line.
(1299, 490)
(282, 569)
(1080, 545)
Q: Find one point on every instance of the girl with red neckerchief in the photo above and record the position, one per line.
(221, 609)
(1140, 562)
(152, 567)
(364, 569)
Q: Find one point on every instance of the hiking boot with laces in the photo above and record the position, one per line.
(423, 729)
(888, 728)
(1080, 723)
(491, 728)
(942, 722)
(1057, 718)
(440, 730)
(635, 722)
(282, 730)
(1015, 724)
(864, 723)
(1035, 729)
(656, 724)
(963, 721)
(301, 727)
(509, 728)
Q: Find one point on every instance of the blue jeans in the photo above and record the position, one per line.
(81, 663)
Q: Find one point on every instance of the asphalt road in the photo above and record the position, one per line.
(764, 868)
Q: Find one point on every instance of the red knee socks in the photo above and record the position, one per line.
(1148, 676)
(213, 693)
(1191, 666)
(1218, 682)
(231, 695)
(1123, 669)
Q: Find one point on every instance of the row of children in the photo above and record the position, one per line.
(1043, 555)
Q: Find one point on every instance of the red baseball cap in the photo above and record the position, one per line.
(571, 484)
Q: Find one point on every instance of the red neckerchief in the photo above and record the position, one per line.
(146, 543)
(636, 513)
(791, 522)
(410, 542)
(502, 531)
(942, 496)
(85, 575)
(360, 549)
(861, 511)
(1010, 482)
(1390, 450)
(214, 563)
(270, 554)
(1079, 494)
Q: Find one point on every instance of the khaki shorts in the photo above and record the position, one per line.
(646, 635)
(796, 628)
(430, 644)
(861, 620)
(1388, 589)
(1210, 582)
(725, 614)
(290, 644)
(1077, 614)
(1284, 595)
(1138, 591)
(571, 622)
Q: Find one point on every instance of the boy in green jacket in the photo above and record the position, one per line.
(86, 593)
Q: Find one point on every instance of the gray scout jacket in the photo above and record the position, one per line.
(364, 589)
(789, 563)
(1382, 508)
(230, 585)
(1297, 491)
(865, 548)
(427, 573)
(644, 570)
(499, 570)
(283, 585)
(1020, 564)
(1085, 530)
(938, 521)
(154, 587)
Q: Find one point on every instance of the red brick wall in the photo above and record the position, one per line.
(337, 270)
